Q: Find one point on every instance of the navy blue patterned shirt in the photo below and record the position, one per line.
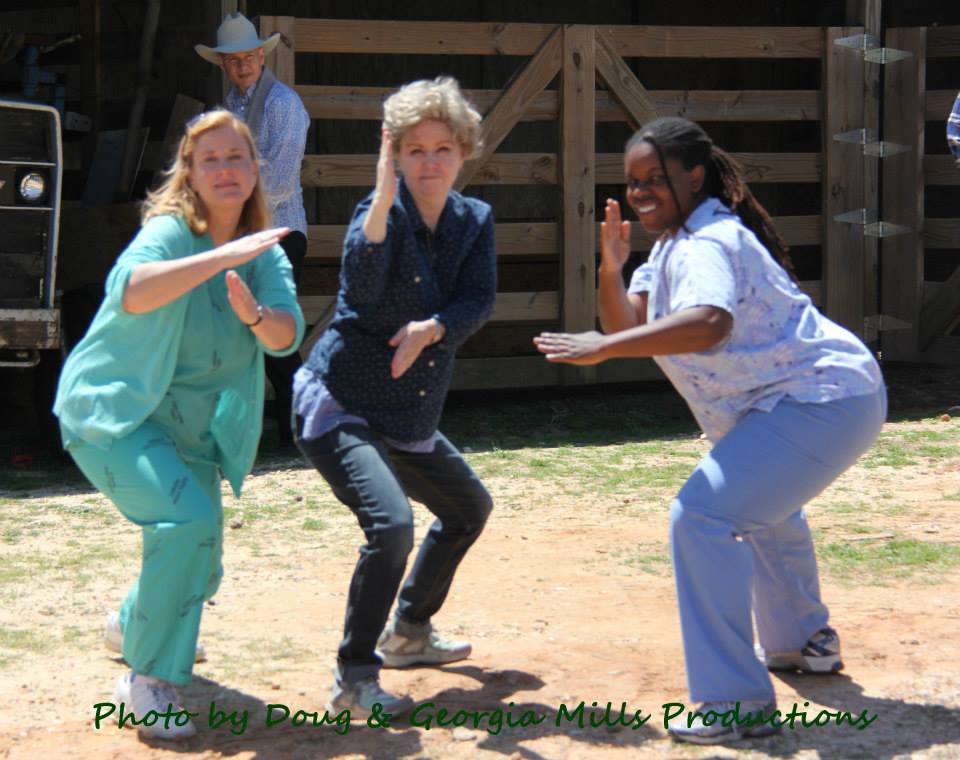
(414, 274)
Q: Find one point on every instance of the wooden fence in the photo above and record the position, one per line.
(578, 56)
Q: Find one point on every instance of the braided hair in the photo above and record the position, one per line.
(682, 139)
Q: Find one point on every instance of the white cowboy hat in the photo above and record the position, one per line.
(236, 35)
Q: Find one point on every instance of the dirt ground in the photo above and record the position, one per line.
(557, 603)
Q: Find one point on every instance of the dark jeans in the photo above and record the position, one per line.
(375, 481)
(281, 369)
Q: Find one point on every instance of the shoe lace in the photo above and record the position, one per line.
(164, 695)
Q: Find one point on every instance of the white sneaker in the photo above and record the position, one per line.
(113, 638)
(399, 651)
(143, 695)
(821, 654)
(719, 722)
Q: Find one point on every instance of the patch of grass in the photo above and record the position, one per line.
(653, 559)
(888, 558)
(23, 640)
(312, 523)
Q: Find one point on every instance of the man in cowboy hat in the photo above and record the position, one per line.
(279, 122)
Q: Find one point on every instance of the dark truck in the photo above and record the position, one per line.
(31, 168)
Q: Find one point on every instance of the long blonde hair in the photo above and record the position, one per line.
(175, 196)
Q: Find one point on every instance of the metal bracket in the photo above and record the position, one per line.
(869, 44)
(869, 219)
(875, 324)
(867, 138)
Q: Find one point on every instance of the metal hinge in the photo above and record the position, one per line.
(869, 44)
(867, 138)
(872, 225)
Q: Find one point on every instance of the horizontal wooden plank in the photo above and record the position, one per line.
(535, 371)
(317, 35)
(758, 167)
(340, 102)
(542, 306)
(943, 42)
(941, 233)
(938, 104)
(716, 41)
(941, 170)
(359, 170)
(325, 241)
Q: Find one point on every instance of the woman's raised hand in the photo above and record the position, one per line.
(241, 299)
(386, 189)
(242, 250)
(614, 238)
(571, 348)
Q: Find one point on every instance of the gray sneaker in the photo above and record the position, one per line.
(718, 722)
(360, 697)
(821, 654)
(399, 651)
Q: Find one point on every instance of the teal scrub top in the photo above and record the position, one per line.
(191, 367)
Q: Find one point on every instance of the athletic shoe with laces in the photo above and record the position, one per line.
(821, 654)
(398, 650)
(142, 695)
(718, 722)
(360, 697)
(113, 638)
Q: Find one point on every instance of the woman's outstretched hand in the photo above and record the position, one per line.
(248, 247)
(571, 348)
(241, 299)
(410, 340)
(386, 189)
(614, 238)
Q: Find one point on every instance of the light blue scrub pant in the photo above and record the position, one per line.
(178, 505)
(740, 541)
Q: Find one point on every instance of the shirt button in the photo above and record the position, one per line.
(431, 363)
(423, 392)
(417, 278)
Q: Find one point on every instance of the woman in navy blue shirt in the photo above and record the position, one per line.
(418, 278)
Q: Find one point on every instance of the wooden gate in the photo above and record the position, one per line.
(928, 310)
(558, 80)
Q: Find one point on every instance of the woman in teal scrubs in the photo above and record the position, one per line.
(164, 394)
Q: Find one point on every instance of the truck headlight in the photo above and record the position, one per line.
(32, 187)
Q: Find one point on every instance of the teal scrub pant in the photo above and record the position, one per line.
(178, 505)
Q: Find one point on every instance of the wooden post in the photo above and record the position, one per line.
(578, 171)
(843, 181)
(226, 8)
(282, 60)
(903, 187)
(871, 168)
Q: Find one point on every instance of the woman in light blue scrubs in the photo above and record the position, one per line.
(788, 398)
(165, 393)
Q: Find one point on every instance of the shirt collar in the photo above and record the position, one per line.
(405, 198)
(243, 99)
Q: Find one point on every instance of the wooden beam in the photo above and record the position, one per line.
(358, 170)
(758, 167)
(282, 61)
(624, 86)
(943, 42)
(940, 314)
(715, 41)
(529, 82)
(535, 371)
(542, 306)
(941, 170)
(578, 163)
(346, 102)
(941, 233)
(903, 195)
(938, 104)
(316, 35)
(843, 178)
(325, 241)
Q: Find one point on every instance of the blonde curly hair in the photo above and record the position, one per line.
(175, 196)
(439, 99)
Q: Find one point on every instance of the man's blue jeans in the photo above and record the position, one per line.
(376, 480)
